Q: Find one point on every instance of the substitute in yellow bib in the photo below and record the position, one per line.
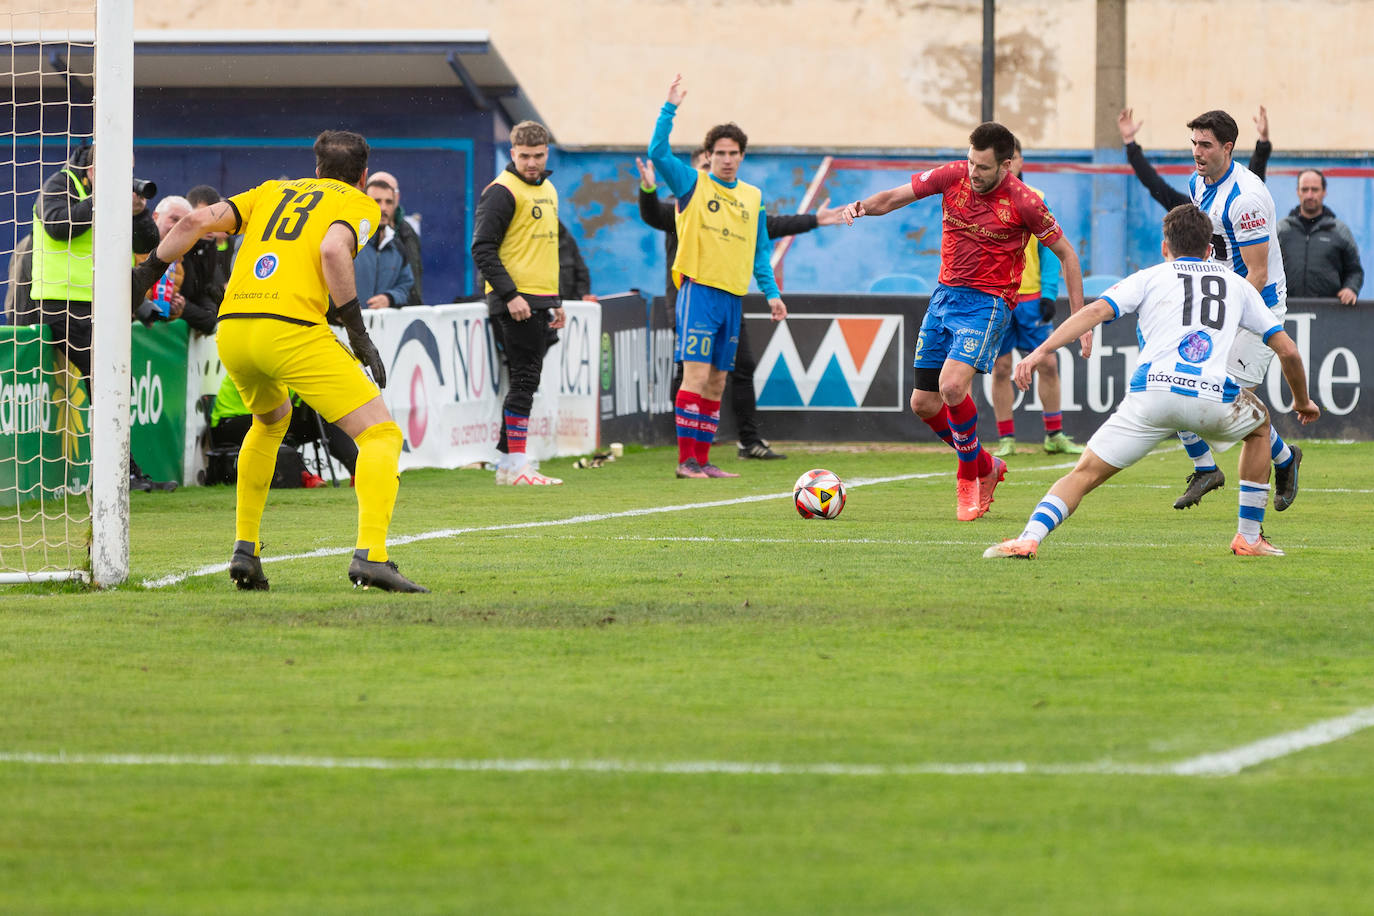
(515, 246)
(299, 241)
(722, 241)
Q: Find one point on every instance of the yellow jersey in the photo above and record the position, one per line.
(277, 272)
(717, 233)
(529, 250)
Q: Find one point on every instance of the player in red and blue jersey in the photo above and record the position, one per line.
(989, 216)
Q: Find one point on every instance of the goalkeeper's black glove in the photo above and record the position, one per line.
(145, 275)
(1047, 310)
(351, 316)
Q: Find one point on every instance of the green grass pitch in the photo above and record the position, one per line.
(675, 662)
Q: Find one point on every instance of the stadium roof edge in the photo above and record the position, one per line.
(267, 59)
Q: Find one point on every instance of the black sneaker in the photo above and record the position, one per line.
(383, 575)
(246, 571)
(1286, 482)
(761, 450)
(1200, 483)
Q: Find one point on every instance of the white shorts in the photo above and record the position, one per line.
(1250, 356)
(1147, 418)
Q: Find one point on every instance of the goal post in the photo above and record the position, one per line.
(110, 360)
(64, 441)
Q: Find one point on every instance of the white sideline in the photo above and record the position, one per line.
(1221, 764)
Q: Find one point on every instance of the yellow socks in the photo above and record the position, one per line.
(376, 483)
(257, 461)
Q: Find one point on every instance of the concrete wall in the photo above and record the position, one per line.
(883, 74)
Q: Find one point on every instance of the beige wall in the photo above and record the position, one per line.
(883, 74)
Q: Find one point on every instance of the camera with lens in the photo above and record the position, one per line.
(145, 189)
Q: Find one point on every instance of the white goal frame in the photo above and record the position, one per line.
(113, 76)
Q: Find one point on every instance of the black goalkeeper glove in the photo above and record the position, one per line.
(1047, 310)
(145, 275)
(351, 316)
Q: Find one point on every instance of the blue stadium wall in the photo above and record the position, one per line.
(598, 203)
(442, 150)
(438, 145)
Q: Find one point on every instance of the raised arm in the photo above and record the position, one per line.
(678, 175)
(1167, 196)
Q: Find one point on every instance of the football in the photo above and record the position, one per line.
(818, 494)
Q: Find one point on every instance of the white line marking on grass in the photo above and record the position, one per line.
(212, 569)
(1222, 764)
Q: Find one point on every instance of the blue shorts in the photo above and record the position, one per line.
(1025, 331)
(707, 325)
(961, 324)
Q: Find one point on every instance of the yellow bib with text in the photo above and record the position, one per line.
(716, 235)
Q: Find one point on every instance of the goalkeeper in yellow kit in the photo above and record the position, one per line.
(299, 241)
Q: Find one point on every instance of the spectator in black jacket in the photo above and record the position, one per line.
(207, 267)
(1168, 196)
(661, 215)
(1320, 257)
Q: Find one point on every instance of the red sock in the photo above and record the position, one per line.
(706, 434)
(688, 410)
(1006, 428)
(974, 461)
(939, 424)
(1054, 422)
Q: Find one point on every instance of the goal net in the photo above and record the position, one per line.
(63, 504)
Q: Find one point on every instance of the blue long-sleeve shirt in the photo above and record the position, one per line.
(681, 179)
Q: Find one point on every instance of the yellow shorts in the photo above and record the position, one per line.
(265, 357)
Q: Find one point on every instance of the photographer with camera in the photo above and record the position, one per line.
(63, 245)
(64, 266)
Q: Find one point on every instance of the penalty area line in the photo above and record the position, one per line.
(1215, 765)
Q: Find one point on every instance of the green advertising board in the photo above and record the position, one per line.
(157, 401)
(44, 441)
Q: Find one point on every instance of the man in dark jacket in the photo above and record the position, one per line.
(1320, 257)
(574, 280)
(660, 215)
(207, 267)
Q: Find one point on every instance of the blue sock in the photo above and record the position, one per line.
(1253, 498)
(1199, 451)
(1048, 515)
(1278, 449)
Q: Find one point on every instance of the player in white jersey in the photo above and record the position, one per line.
(1245, 230)
(1190, 311)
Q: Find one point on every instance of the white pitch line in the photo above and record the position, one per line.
(1215, 765)
(214, 568)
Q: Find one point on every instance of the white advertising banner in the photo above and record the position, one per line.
(446, 384)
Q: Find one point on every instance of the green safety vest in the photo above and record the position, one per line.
(63, 269)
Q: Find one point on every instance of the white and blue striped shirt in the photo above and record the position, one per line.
(1189, 311)
(1243, 214)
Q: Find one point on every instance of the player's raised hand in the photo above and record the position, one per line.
(675, 91)
(646, 173)
(778, 309)
(851, 212)
(1127, 125)
(1262, 124)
